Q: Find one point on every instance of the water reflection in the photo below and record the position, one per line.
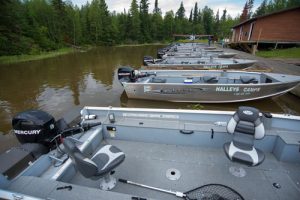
(59, 84)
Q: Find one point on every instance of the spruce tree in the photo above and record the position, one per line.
(244, 15)
(145, 21)
(195, 17)
(156, 9)
(180, 14)
(262, 9)
(191, 16)
(135, 22)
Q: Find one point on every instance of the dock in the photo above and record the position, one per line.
(273, 65)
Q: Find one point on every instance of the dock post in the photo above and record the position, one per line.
(253, 50)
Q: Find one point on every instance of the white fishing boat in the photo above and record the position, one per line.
(204, 86)
(196, 63)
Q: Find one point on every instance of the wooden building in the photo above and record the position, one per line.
(282, 27)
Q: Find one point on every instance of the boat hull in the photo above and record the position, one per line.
(206, 93)
(190, 55)
(198, 66)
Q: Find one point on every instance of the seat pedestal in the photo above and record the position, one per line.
(108, 182)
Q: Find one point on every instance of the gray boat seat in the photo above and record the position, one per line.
(248, 79)
(210, 79)
(246, 126)
(98, 166)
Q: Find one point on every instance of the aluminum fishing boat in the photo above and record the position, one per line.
(187, 48)
(198, 55)
(140, 154)
(204, 86)
(197, 63)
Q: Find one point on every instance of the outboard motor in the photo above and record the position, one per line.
(34, 129)
(34, 126)
(148, 59)
(160, 53)
(126, 74)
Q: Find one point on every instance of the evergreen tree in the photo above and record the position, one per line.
(293, 3)
(223, 18)
(195, 17)
(262, 9)
(31, 26)
(217, 24)
(156, 9)
(180, 26)
(249, 7)
(157, 24)
(208, 20)
(85, 24)
(134, 22)
(145, 21)
(244, 15)
(279, 5)
(107, 36)
(60, 21)
(223, 24)
(180, 14)
(169, 25)
(191, 16)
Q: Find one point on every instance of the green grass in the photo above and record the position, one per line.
(280, 53)
(43, 55)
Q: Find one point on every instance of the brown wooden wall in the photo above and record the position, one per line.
(283, 26)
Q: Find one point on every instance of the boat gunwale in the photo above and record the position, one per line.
(181, 111)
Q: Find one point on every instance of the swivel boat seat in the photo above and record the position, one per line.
(100, 166)
(246, 126)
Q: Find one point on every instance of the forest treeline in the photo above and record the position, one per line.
(32, 26)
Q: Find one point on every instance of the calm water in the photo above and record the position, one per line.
(60, 84)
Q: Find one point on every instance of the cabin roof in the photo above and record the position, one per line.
(266, 15)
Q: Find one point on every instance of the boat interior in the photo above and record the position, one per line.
(209, 78)
(176, 150)
(204, 60)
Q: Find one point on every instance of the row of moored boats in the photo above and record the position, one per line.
(195, 72)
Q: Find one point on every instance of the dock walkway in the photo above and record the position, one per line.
(275, 65)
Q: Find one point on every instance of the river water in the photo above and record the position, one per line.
(58, 85)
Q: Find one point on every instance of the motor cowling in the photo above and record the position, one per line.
(148, 59)
(126, 74)
(34, 126)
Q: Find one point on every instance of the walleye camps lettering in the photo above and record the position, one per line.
(238, 90)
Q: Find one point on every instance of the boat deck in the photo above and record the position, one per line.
(147, 163)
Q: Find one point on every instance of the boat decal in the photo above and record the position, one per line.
(227, 89)
(215, 66)
(175, 90)
(138, 115)
(147, 88)
(238, 90)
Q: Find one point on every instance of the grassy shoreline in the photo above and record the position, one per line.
(137, 45)
(280, 53)
(26, 57)
(50, 54)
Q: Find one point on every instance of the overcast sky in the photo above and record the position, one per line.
(233, 7)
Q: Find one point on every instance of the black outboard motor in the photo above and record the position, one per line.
(34, 126)
(148, 59)
(126, 74)
(35, 130)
